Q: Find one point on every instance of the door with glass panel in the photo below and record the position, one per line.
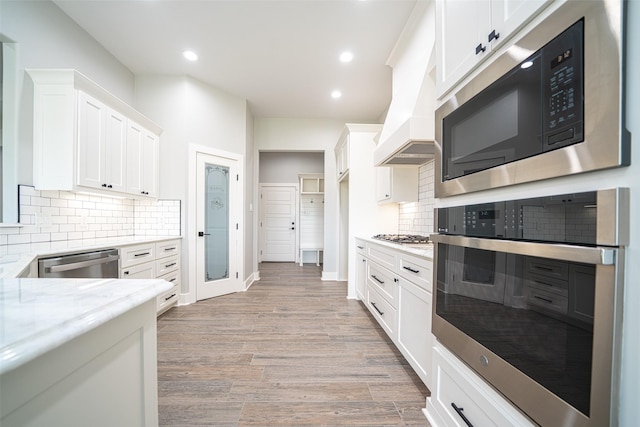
(217, 217)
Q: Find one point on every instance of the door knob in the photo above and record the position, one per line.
(202, 233)
(293, 228)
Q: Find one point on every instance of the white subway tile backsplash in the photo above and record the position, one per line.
(55, 216)
(417, 217)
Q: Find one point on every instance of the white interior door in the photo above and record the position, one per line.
(217, 218)
(278, 224)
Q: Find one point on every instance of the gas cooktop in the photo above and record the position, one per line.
(402, 238)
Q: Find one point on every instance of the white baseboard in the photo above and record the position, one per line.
(252, 278)
(330, 276)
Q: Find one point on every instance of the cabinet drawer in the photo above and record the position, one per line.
(167, 299)
(167, 265)
(384, 313)
(386, 258)
(548, 268)
(547, 300)
(164, 249)
(132, 255)
(146, 270)
(384, 282)
(455, 383)
(547, 284)
(416, 270)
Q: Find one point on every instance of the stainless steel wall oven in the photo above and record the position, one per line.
(551, 105)
(528, 293)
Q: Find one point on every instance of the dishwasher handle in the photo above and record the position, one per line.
(81, 264)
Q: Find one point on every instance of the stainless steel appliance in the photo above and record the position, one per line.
(550, 105)
(528, 295)
(96, 264)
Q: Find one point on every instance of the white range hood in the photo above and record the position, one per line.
(407, 136)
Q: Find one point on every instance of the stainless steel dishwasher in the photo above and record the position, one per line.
(85, 265)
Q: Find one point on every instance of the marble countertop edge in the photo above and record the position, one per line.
(22, 351)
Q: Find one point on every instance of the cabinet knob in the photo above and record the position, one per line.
(493, 35)
(480, 48)
(104, 185)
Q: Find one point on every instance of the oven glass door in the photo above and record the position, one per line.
(535, 313)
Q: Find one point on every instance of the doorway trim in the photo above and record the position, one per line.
(192, 229)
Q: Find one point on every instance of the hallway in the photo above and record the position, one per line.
(292, 350)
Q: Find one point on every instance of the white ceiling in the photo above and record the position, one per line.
(281, 55)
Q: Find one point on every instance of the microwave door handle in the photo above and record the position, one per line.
(583, 254)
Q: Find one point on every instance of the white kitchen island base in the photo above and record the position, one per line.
(105, 375)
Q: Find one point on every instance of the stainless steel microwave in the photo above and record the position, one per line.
(550, 105)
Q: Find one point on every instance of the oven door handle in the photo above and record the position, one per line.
(598, 255)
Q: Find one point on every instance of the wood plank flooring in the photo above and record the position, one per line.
(291, 351)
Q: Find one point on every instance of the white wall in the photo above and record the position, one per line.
(279, 134)
(191, 112)
(284, 167)
(47, 38)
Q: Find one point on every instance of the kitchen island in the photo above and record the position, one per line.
(78, 352)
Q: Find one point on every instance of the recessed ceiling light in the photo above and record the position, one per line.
(526, 65)
(336, 94)
(190, 55)
(346, 56)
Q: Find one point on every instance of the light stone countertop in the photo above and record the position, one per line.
(424, 250)
(38, 315)
(15, 258)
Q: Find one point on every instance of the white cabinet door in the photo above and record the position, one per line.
(142, 161)
(460, 28)
(115, 150)
(343, 159)
(383, 184)
(508, 16)
(414, 328)
(468, 30)
(91, 141)
(150, 151)
(101, 145)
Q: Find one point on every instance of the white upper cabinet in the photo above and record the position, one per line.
(468, 30)
(82, 138)
(142, 161)
(342, 157)
(101, 145)
(396, 184)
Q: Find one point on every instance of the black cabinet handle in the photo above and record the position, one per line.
(144, 192)
(142, 254)
(126, 273)
(493, 35)
(480, 48)
(377, 309)
(360, 247)
(377, 280)
(169, 297)
(550, 301)
(109, 186)
(293, 228)
(170, 265)
(104, 185)
(459, 411)
(411, 270)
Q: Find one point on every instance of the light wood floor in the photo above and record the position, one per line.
(292, 351)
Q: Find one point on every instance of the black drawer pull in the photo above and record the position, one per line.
(169, 297)
(550, 301)
(377, 309)
(360, 247)
(459, 411)
(411, 270)
(173, 280)
(493, 36)
(170, 249)
(170, 265)
(543, 283)
(377, 280)
(480, 48)
(142, 254)
(537, 267)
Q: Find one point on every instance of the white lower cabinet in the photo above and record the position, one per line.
(460, 398)
(414, 327)
(361, 270)
(400, 300)
(159, 260)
